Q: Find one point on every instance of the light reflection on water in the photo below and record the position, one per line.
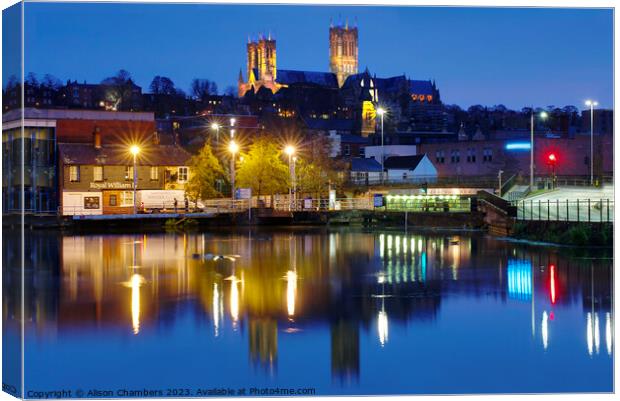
(345, 312)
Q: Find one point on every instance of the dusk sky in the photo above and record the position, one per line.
(487, 56)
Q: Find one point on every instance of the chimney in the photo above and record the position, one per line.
(97, 138)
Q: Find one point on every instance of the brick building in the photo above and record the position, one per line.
(95, 178)
(487, 157)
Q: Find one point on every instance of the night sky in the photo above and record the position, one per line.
(487, 56)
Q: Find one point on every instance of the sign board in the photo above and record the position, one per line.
(378, 200)
(243, 193)
(111, 185)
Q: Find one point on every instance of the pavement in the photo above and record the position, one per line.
(569, 204)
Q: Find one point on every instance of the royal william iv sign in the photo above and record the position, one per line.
(111, 185)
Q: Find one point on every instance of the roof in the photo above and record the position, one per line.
(290, 77)
(391, 85)
(350, 138)
(365, 164)
(70, 114)
(421, 87)
(403, 162)
(118, 155)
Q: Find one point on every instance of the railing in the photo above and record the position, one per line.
(579, 210)
(483, 181)
(309, 204)
(507, 185)
(430, 205)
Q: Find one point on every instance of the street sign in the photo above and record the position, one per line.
(243, 193)
(378, 200)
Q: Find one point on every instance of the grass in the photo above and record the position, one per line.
(577, 234)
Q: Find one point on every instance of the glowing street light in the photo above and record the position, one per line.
(591, 103)
(290, 151)
(135, 150)
(381, 111)
(542, 115)
(233, 148)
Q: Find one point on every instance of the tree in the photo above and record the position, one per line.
(119, 89)
(51, 82)
(263, 169)
(31, 79)
(205, 171)
(162, 86)
(202, 88)
(318, 172)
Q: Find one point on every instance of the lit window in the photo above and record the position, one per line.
(154, 173)
(98, 173)
(74, 173)
(129, 172)
(127, 198)
(183, 172)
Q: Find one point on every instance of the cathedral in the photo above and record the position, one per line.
(409, 102)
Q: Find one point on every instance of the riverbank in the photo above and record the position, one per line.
(565, 233)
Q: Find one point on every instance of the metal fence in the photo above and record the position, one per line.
(579, 210)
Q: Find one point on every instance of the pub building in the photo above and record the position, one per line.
(99, 179)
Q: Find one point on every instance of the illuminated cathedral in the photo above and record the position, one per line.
(361, 92)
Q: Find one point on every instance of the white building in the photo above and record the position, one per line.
(416, 168)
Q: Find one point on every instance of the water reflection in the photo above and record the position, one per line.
(352, 298)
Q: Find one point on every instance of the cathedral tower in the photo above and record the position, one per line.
(262, 59)
(343, 51)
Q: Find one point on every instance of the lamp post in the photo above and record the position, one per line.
(216, 127)
(290, 151)
(543, 115)
(381, 112)
(135, 149)
(499, 176)
(233, 148)
(591, 103)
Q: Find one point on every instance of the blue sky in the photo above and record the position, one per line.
(488, 56)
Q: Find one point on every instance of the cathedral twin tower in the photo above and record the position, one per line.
(343, 51)
(262, 66)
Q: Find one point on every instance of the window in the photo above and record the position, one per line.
(362, 152)
(98, 173)
(127, 198)
(112, 200)
(487, 155)
(74, 173)
(129, 172)
(440, 157)
(471, 155)
(183, 172)
(91, 202)
(347, 150)
(455, 156)
(154, 173)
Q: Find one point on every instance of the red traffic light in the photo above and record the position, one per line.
(552, 158)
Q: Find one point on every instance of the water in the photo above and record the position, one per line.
(341, 312)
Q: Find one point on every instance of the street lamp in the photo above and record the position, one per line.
(290, 151)
(134, 149)
(542, 115)
(216, 127)
(591, 103)
(381, 112)
(499, 176)
(233, 148)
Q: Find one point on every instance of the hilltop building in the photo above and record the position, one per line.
(341, 93)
